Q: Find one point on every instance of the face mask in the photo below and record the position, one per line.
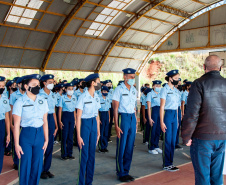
(104, 94)
(74, 88)
(34, 90)
(81, 87)
(175, 82)
(131, 82)
(70, 92)
(14, 89)
(2, 90)
(50, 86)
(179, 87)
(158, 89)
(109, 88)
(97, 87)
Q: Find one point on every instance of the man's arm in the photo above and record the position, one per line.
(192, 111)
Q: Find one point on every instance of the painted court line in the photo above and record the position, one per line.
(6, 172)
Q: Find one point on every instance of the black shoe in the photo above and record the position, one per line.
(71, 157)
(101, 151)
(124, 179)
(44, 175)
(178, 147)
(130, 178)
(109, 141)
(64, 158)
(50, 175)
(15, 167)
(106, 150)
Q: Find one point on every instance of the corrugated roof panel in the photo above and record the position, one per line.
(163, 28)
(108, 65)
(120, 64)
(56, 60)
(73, 26)
(171, 43)
(218, 15)
(218, 35)
(116, 51)
(73, 61)
(151, 40)
(127, 36)
(39, 40)
(90, 62)
(139, 54)
(59, 6)
(121, 19)
(110, 33)
(15, 37)
(32, 59)
(64, 43)
(97, 47)
(136, 5)
(10, 56)
(138, 37)
(2, 32)
(3, 12)
(85, 11)
(80, 45)
(129, 53)
(134, 64)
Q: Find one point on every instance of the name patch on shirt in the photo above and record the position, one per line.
(170, 93)
(27, 105)
(67, 101)
(87, 102)
(124, 94)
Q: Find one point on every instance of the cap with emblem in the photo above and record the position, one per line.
(185, 81)
(142, 89)
(33, 76)
(129, 71)
(91, 77)
(59, 86)
(9, 83)
(75, 82)
(104, 88)
(64, 81)
(2, 78)
(147, 90)
(19, 80)
(188, 82)
(106, 81)
(75, 79)
(46, 77)
(15, 79)
(156, 82)
(81, 79)
(164, 84)
(68, 85)
(173, 72)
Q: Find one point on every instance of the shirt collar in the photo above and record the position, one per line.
(168, 87)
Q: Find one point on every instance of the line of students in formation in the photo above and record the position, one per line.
(34, 113)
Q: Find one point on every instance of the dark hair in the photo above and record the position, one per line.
(146, 84)
(186, 86)
(88, 84)
(167, 77)
(42, 84)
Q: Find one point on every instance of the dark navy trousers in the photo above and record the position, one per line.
(125, 144)
(87, 153)
(49, 150)
(30, 163)
(111, 121)
(155, 130)
(59, 130)
(208, 161)
(169, 137)
(68, 120)
(179, 126)
(2, 142)
(14, 155)
(103, 141)
(147, 127)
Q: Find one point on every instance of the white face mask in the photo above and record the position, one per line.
(70, 92)
(50, 86)
(74, 88)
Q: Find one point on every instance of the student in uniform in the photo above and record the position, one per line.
(153, 104)
(14, 96)
(142, 125)
(67, 118)
(30, 113)
(124, 102)
(4, 121)
(185, 97)
(80, 89)
(88, 128)
(169, 119)
(104, 113)
(146, 122)
(47, 85)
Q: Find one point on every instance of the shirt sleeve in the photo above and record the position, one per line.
(116, 95)
(144, 101)
(7, 107)
(12, 99)
(163, 93)
(46, 107)
(17, 108)
(149, 97)
(183, 98)
(80, 103)
(60, 104)
(98, 104)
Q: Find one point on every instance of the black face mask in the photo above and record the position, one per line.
(81, 87)
(2, 90)
(175, 82)
(179, 87)
(109, 88)
(14, 89)
(34, 90)
(23, 89)
(98, 87)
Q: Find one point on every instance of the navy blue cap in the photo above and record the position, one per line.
(91, 77)
(119, 83)
(142, 88)
(59, 86)
(15, 79)
(164, 84)
(156, 82)
(129, 71)
(104, 88)
(188, 82)
(147, 90)
(179, 79)
(68, 85)
(19, 80)
(9, 83)
(185, 80)
(183, 85)
(81, 79)
(106, 81)
(2, 78)
(47, 77)
(173, 72)
(75, 79)
(33, 76)
(74, 82)
(64, 81)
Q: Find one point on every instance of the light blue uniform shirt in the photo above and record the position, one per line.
(126, 98)
(78, 93)
(185, 96)
(110, 94)
(31, 112)
(58, 96)
(89, 105)
(105, 103)
(98, 92)
(142, 97)
(144, 102)
(180, 98)
(14, 96)
(171, 97)
(67, 104)
(154, 98)
(4, 107)
(51, 100)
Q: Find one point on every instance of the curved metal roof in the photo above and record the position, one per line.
(82, 35)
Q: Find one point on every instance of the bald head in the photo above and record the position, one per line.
(213, 62)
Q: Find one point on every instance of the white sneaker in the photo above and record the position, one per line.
(146, 143)
(152, 152)
(158, 150)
